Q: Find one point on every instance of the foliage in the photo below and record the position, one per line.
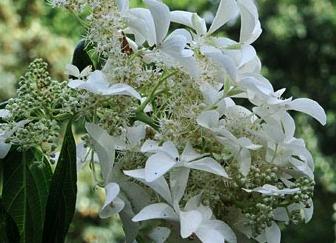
(26, 178)
(61, 203)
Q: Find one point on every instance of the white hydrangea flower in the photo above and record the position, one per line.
(157, 22)
(240, 147)
(113, 204)
(194, 218)
(252, 148)
(105, 147)
(98, 84)
(227, 10)
(270, 190)
(72, 70)
(167, 157)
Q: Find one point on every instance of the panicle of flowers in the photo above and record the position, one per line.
(34, 116)
(172, 142)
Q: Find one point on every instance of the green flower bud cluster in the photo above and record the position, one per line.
(306, 186)
(43, 103)
(259, 176)
(257, 208)
(43, 133)
(296, 217)
(112, 114)
(260, 215)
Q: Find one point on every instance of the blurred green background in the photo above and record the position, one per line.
(298, 51)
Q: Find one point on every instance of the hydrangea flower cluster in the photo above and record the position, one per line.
(193, 142)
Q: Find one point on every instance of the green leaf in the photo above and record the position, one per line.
(63, 189)
(80, 58)
(9, 232)
(25, 190)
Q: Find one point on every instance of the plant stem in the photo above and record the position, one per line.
(141, 116)
(152, 94)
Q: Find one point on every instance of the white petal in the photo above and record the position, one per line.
(75, 84)
(182, 32)
(160, 185)
(225, 230)
(206, 212)
(150, 146)
(247, 143)
(199, 24)
(244, 158)
(155, 211)
(135, 134)
(193, 203)
(4, 149)
(302, 167)
(248, 53)
(141, 20)
(161, 17)
(308, 212)
(97, 84)
(175, 45)
(170, 149)
(208, 164)
(134, 46)
(81, 152)
(4, 113)
(189, 153)
(120, 89)
(309, 107)
(227, 10)
(209, 235)
(210, 94)
(105, 148)
(108, 210)
(222, 228)
(288, 125)
(190, 221)
(208, 119)
(123, 5)
(273, 233)
(72, 70)
(182, 17)
(280, 214)
(111, 192)
(157, 165)
(253, 66)
(178, 182)
(99, 78)
(225, 62)
(189, 64)
(250, 25)
(274, 131)
(273, 191)
(257, 84)
(227, 135)
(139, 39)
(159, 234)
(86, 71)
